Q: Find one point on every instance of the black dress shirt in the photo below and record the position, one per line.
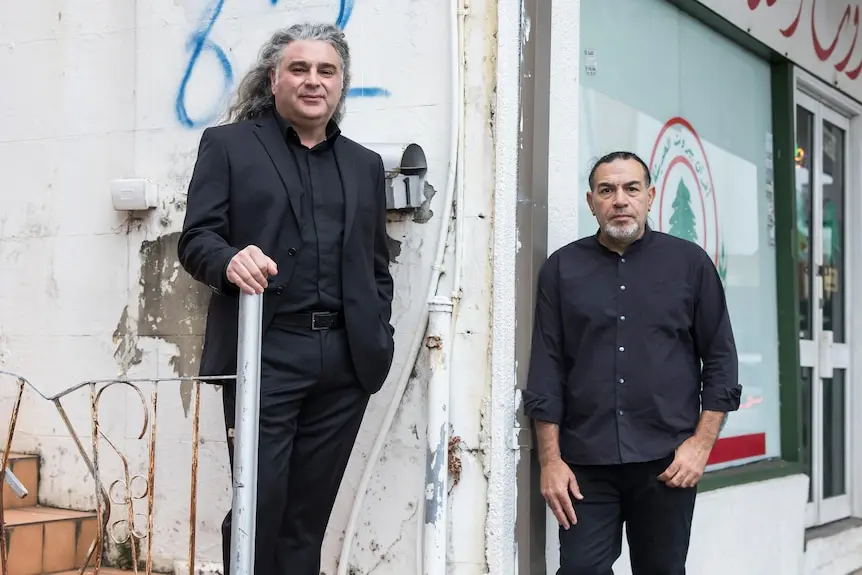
(617, 348)
(316, 281)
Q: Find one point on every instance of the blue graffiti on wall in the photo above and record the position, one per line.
(200, 42)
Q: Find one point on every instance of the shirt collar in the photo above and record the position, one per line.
(290, 135)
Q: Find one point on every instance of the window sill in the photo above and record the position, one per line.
(832, 529)
(749, 473)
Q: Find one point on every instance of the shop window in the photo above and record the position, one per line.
(697, 108)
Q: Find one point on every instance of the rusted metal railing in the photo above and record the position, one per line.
(134, 487)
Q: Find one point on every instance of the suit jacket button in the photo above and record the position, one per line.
(279, 290)
(291, 252)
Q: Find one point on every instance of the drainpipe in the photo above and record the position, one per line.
(439, 343)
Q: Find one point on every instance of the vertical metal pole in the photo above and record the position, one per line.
(244, 513)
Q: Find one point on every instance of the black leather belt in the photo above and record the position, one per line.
(316, 320)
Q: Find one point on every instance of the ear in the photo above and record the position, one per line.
(590, 202)
(273, 78)
(651, 193)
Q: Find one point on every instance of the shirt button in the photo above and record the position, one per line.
(622, 380)
(279, 290)
(622, 287)
(621, 412)
(623, 260)
(291, 252)
(622, 318)
(622, 348)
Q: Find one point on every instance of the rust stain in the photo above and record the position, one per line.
(455, 459)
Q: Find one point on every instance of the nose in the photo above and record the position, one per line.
(621, 199)
(312, 78)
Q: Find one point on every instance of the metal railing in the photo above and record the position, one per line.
(131, 487)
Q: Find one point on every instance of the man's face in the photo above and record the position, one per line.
(307, 84)
(620, 199)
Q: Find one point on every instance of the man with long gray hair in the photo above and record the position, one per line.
(281, 204)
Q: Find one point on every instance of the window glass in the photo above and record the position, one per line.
(696, 107)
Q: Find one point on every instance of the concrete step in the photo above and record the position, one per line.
(102, 571)
(26, 469)
(47, 540)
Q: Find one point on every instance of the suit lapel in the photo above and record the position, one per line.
(347, 173)
(270, 136)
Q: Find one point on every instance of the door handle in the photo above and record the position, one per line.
(826, 363)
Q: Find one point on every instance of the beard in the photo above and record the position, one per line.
(623, 232)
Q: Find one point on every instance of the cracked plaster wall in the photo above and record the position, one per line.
(89, 292)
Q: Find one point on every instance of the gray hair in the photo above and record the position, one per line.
(254, 93)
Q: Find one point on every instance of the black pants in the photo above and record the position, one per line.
(311, 407)
(657, 518)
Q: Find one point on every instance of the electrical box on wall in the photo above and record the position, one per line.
(133, 194)
(405, 167)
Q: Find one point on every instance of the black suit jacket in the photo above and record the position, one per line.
(245, 190)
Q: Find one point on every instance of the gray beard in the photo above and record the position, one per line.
(623, 233)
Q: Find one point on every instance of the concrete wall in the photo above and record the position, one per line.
(104, 89)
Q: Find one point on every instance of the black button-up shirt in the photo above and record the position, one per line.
(316, 281)
(617, 346)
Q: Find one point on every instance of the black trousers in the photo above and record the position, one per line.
(657, 519)
(311, 407)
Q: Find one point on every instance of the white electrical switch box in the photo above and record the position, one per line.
(132, 194)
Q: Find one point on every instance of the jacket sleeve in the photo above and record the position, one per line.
(382, 275)
(204, 250)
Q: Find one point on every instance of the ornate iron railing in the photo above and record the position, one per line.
(133, 487)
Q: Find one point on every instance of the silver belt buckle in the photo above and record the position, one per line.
(314, 325)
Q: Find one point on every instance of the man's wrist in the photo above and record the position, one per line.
(545, 460)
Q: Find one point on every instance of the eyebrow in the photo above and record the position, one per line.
(627, 184)
(301, 62)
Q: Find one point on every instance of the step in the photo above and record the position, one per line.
(26, 469)
(102, 571)
(48, 540)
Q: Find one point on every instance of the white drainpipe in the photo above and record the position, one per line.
(439, 342)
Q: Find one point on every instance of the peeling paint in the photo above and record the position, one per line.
(127, 352)
(424, 213)
(433, 484)
(394, 247)
(172, 306)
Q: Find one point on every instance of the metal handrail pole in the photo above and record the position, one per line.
(244, 507)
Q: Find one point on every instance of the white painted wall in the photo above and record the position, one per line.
(94, 91)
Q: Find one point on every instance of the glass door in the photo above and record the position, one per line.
(821, 183)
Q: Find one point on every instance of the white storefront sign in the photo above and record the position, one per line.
(821, 36)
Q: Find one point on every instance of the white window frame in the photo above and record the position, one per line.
(845, 113)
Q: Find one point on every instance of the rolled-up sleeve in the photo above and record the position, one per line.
(713, 337)
(544, 397)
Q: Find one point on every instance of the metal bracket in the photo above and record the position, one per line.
(521, 438)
